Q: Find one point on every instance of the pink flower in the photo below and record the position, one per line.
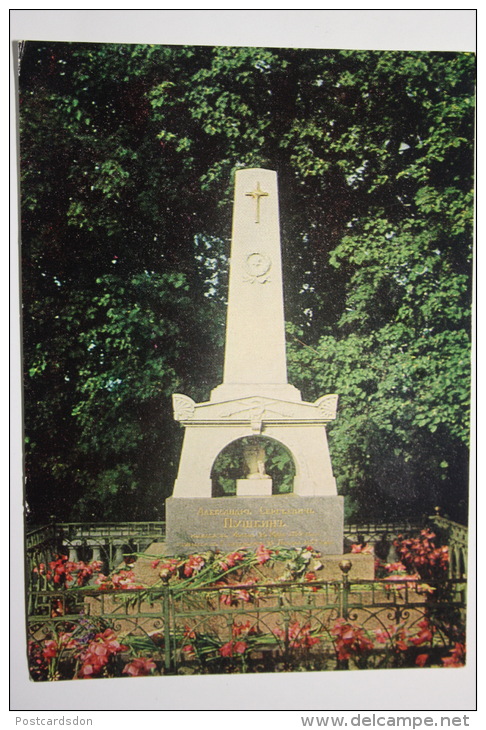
(262, 554)
(410, 581)
(239, 647)
(227, 599)
(362, 548)
(457, 657)
(382, 636)
(422, 555)
(61, 569)
(167, 569)
(402, 641)
(310, 577)
(395, 567)
(98, 653)
(86, 571)
(57, 608)
(299, 636)
(123, 580)
(243, 595)
(227, 649)
(50, 649)
(67, 642)
(425, 635)
(139, 667)
(350, 640)
(193, 565)
(235, 593)
(109, 638)
(231, 560)
(239, 628)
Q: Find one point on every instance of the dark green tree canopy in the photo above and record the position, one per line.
(127, 156)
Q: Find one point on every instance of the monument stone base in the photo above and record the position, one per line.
(232, 523)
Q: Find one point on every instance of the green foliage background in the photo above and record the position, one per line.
(127, 156)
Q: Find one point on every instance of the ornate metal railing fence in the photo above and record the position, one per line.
(261, 627)
(455, 536)
(110, 542)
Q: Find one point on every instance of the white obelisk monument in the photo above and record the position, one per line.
(255, 399)
(255, 360)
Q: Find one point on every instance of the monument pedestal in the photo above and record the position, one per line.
(254, 487)
(229, 523)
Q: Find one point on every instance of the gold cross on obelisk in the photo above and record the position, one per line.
(256, 195)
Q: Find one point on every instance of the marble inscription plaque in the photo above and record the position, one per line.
(229, 523)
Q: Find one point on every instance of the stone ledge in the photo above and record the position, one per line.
(362, 567)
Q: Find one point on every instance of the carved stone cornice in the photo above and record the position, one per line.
(255, 411)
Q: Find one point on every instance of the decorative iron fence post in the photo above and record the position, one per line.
(285, 635)
(455, 536)
(166, 599)
(345, 566)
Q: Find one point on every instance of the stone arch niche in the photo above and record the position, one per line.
(263, 463)
(299, 426)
